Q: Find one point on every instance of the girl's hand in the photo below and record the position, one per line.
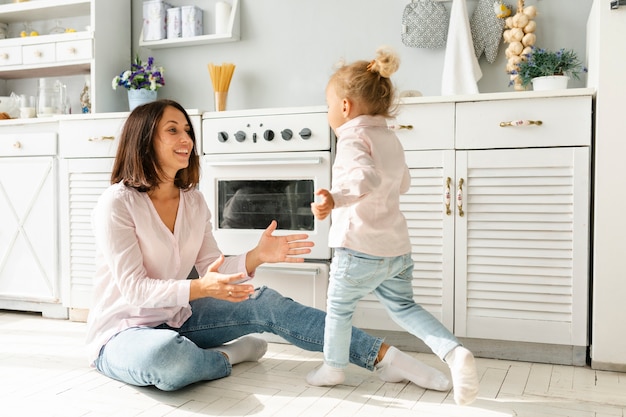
(322, 209)
(271, 249)
(221, 286)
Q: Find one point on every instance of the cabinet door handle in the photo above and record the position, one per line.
(101, 138)
(516, 123)
(459, 198)
(446, 196)
(398, 127)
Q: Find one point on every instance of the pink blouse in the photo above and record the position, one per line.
(141, 267)
(369, 174)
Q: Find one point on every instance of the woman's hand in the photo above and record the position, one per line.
(271, 249)
(322, 209)
(221, 286)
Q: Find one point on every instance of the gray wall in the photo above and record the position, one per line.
(288, 48)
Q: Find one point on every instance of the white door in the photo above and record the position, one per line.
(28, 230)
(82, 182)
(522, 245)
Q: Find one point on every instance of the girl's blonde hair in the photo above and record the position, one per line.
(368, 83)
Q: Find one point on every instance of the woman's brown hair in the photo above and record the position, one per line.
(136, 162)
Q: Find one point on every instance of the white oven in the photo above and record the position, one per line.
(264, 165)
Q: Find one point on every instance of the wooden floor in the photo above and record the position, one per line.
(43, 372)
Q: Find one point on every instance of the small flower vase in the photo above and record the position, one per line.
(550, 82)
(139, 97)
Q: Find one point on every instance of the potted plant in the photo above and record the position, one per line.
(542, 65)
(142, 81)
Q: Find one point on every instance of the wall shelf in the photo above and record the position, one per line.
(232, 35)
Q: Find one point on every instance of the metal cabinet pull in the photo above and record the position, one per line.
(101, 138)
(446, 196)
(516, 123)
(459, 198)
(398, 127)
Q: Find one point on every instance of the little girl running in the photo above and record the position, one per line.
(369, 232)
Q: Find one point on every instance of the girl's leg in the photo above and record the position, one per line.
(145, 356)
(396, 293)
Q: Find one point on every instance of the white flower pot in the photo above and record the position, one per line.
(139, 97)
(550, 82)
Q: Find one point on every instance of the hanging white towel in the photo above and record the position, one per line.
(460, 67)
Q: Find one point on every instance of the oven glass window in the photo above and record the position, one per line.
(252, 204)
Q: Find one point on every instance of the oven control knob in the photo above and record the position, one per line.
(268, 135)
(287, 134)
(305, 133)
(240, 136)
(222, 136)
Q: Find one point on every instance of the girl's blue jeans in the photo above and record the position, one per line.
(170, 358)
(352, 276)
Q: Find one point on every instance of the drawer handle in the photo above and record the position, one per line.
(459, 198)
(398, 127)
(38, 54)
(516, 123)
(5, 56)
(446, 196)
(101, 138)
(71, 51)
(17, 144)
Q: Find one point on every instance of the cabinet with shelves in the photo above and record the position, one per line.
(232, 34)
(506, 257)
(96, 49)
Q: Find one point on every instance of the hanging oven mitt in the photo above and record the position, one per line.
(424, 24)
(487, 25)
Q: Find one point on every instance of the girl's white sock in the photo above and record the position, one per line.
(244, 349)
(325, 375)
(464, 376)
(397, 366)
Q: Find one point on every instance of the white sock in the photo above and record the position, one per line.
(397, 366)
(464, 376)
(325, 375)
(244, 349)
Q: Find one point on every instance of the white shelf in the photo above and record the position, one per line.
(43, 9)
(232, 35)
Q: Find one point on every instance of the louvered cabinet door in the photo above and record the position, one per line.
(431, 230)
(82, 182)
(522, 245)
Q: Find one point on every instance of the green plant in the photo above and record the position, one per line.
(141, 75)
(543, 62)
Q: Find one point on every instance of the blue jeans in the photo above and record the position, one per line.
(172, 358)
(352, 276)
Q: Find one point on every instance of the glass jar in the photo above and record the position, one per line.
(49, 97)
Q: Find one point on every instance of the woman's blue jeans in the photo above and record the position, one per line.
(171, 358)
(352, 276)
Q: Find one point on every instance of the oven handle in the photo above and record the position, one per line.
(269, 161)
(298, 271)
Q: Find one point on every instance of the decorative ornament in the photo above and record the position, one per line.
(520, 35)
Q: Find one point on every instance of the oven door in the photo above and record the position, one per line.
(245, 192)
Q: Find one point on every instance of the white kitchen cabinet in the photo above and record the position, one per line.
(509, 261)
(29, 273)
(97, 48)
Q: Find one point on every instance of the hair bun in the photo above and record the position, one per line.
(386, 62)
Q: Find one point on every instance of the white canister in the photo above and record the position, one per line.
(222, 17)
(191, 21)
(173, 23)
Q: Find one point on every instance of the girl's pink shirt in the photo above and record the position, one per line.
(369, 174)
(142, 267)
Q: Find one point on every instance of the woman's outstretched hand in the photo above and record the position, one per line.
(271, 249)
(222, 286)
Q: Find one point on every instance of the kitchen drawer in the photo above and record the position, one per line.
(431, 126)
(96, 138)
(11, 55)
(565, 121)
(42, 53)
(73, 50)
(28, 144)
